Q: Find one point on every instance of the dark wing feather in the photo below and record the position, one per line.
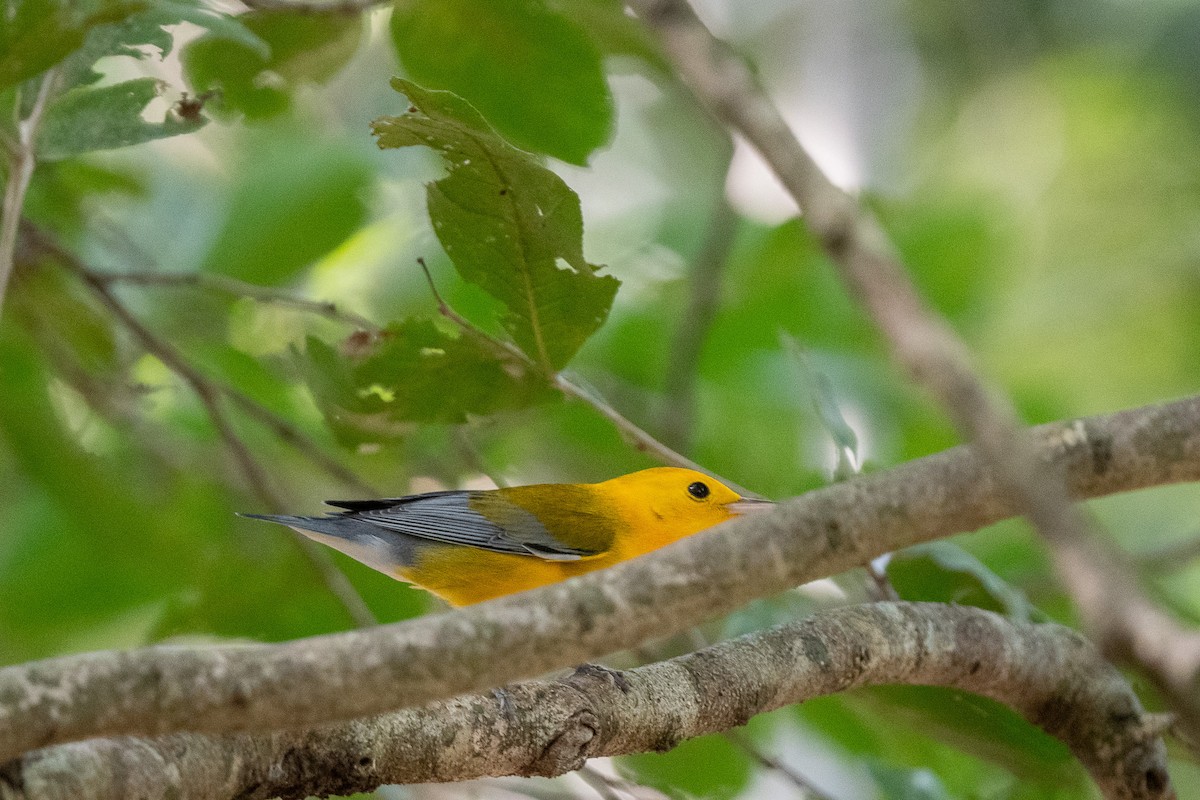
(449, 517)
(385, 502)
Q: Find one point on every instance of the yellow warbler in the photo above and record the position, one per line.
(470, 546)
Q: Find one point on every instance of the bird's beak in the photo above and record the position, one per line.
(749, 505)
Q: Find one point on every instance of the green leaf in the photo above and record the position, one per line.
(87, 119)
(48, 302)
(373, 390)
(943, 572)
(817, 385)
(897, 783)
(257, 79)
(613, 31)
(531, 72)
(979, 726)
(708, 766)
(510, 225)
(64, 195)
(90, 511)
(289, 207)
(37, 34)
(129, 36)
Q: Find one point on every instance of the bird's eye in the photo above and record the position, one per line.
(698, 490)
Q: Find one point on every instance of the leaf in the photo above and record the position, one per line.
(976, 725)
(87, 119)
(257, 80)
(129, 37)
(944, 572)
(289, 207)
(47, 301)
(373, 390)
(65, 192)
(708, 766)
(941, 728)
(897, 783)
(511, 226)
(37, 34)
(613, 31)
(85, 510)
(531, 72)
(820, 389)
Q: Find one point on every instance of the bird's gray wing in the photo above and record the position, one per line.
(453, 518)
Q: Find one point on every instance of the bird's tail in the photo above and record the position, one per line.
(384, 550)
(282, 519)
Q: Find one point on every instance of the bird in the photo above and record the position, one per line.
(467, 546)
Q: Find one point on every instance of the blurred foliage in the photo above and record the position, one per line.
(1034, 162)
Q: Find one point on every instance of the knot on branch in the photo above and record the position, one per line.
(570, 749)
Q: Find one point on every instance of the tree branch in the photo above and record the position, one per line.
(233, 286)
(209, 395)
(704, 300)
(637, 437)
(22, 158)
(1114, 609)
(803, 785)
(1048, 673)
(163, 689)
(334, 579)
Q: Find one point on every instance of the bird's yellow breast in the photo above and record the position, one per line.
(462, 576)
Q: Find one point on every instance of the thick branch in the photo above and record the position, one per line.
(1048, 673)
(1124, 622)
(164, 689)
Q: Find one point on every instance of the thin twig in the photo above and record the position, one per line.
(1126, 624)
(281, 427)
(602, 784)
(255, 475)
(879, 585)
(1170, 557)
(22, 158)
(747, 746)
(233, 286)
(292, 435)
(678, 417)
(636, 436)
(210, 397)
(112, 401)
(614, 785)
(474, 458)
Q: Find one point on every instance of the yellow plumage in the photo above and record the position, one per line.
(471, 546)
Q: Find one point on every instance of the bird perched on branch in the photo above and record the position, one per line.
(470, 546)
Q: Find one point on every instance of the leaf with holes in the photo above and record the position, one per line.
(533, 72)
(87, 118)
(511, 226)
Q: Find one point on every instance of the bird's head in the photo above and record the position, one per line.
(674, 502)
